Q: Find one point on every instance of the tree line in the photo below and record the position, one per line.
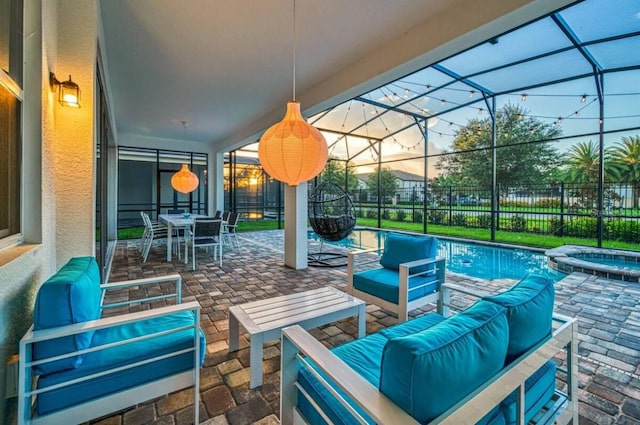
(525, 155)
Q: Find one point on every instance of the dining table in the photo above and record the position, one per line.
(178, 221)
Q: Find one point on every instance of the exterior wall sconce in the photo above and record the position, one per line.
(68, 91)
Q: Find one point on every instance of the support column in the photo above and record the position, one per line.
(295, 226)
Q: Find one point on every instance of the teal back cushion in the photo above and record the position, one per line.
(399, 248)
(428, 372)
(70, 296)
(529, 307)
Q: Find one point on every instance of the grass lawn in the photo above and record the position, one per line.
(515, 238)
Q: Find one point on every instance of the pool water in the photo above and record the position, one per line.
(625, 264)
(481, 261)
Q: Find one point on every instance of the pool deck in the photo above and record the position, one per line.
(608, 314)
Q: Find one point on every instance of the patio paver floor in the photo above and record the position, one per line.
(609, 326)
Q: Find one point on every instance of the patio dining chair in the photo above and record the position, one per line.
(229, 230)
(206, 232)
(152, 232)
(155, 231)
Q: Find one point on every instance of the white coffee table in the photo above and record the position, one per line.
(265, 319)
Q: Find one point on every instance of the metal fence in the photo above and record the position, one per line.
(564, 210)
(554, 209)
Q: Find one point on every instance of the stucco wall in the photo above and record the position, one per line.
(74, 139)
(58, 165)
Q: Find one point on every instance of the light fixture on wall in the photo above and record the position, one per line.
(293, 151)
(184, 181)
(68, 91)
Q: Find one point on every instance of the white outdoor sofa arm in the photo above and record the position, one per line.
(296, 341)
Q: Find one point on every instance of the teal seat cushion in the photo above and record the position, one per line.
(122, 355)
(401, 248)
(70, 296)
(428, 372)
(362, 355)
(529, 307)
(539, 389)
(384, 283)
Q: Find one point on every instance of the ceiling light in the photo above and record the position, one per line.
(184, 181)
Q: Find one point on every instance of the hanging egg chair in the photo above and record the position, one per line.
(332, 217)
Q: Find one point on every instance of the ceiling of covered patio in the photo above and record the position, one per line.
(557, 69)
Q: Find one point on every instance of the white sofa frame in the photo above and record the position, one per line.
(299, 347)
(404, 306)
(125, 398)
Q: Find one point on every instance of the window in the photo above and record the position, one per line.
(10, 119)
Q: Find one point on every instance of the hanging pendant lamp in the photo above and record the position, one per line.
(293, 151)
(184, 181)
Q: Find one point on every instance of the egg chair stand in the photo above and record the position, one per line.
(332, 217)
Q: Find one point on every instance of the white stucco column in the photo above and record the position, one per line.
(295, 226)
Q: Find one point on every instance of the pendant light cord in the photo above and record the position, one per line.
(184, 126)
(294, 50)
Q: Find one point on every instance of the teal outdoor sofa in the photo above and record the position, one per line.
(489, 364)
(408, 273)
(76, 365)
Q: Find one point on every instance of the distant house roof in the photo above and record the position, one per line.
(401, 175)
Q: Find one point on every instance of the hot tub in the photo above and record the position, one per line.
(610, 263)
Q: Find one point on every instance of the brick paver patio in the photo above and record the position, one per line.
(609, 323)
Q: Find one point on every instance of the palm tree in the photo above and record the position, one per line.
(626, 155)
(583, 165)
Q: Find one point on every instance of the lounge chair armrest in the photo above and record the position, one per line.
(296, 340)
(422, 262)
(107, 322)
(141, 282)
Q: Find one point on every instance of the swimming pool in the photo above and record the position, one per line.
(481, 261)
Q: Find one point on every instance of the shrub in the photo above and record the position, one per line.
(518, 223)
(484, 221)
(622, 230)
(436, 217)
(372, 214)
(417, 217)
(583, 227)
(554, 226)
(547, 203)
(386, 215)
(459, 220)
(514, 204)
(400, 215)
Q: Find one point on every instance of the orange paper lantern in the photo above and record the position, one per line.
(292, 151)
(184, 181)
